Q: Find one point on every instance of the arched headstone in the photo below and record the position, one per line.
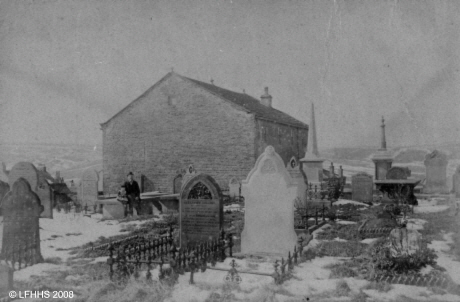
(25, 170)
(293, 169)
(234, 187)
(201, 210)
(89, 187)
(21, 207)
(177, 183)
(46, 199)
(436, 172)
(362, 187)
(456, 182)
(269, 193)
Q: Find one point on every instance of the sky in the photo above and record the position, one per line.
(67, 66)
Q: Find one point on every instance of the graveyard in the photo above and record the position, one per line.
(269, 237)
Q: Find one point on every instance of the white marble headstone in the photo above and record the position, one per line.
(293, 169)
(269, 193)
(234, 187)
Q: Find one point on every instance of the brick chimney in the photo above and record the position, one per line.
(266, 99)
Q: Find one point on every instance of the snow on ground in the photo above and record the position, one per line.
(428, 209)
(65, 231)
(415, 224)
(369, 240)
(445, 260)
(346, 201)
(346, 222)
(38, 270)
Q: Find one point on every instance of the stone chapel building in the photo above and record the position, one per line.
(181, 121)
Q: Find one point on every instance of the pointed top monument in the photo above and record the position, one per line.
(382, 158)
(312, 153)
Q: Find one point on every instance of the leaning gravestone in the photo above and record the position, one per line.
(46, 198)
(293, 169)
(89, 187)
(200, 210)
(456, 182)
(269, 193)
(362, 187)
(234, 187)
(21, 207)
(436, 173)
(25, 170)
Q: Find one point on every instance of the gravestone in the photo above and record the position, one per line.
(200, 210)
(234, 187)
(436, 173)
(4, 188)
(46, 198)
(25, 170)
(6, 279)
(89, 187)
(112, 209)
(21, 207)
(404, 242)
(177, 184)
(4, 173)
(398, 173)
(456, 182)
(362, 187)
(293, 169)
(189, 173)
(269, 193)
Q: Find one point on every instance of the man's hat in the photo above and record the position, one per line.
(130, 173)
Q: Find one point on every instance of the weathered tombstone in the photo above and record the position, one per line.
(201, 210)
(189, 173)
(362, 187)
(6, 279)
(398, 173)
(21, 207)
(234, 187)
(177, 184)
(4, 188)
(89, 187)
(112, 209)
(293, 169)
(436, 172)
(269, 193)
(25, 170)
(456, 182)
(404, 242)
(46, 199)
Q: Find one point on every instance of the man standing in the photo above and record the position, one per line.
(133, 194)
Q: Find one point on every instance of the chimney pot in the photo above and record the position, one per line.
(266, 99)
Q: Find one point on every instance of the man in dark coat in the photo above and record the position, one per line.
(133, 194)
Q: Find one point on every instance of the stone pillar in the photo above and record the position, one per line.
(383, 159)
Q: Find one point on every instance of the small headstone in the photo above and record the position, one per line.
(25, 170)
(89, 187)
(21, 211)
(112, 209)
(398, 173)
(436, 173)
(177, 183)
(4, 173)
(46, 199)
(293, 169)
(404, 242)
(456, 182)
(6, 279)
(362, 187)
(200, 211)
(234, 187)
(189, 173)
(269, 193)
(4, 188)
